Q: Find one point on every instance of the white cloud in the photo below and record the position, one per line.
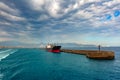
(37, 4)
(7, 8)
(43, 17)
(5, 39)
(10, 13)
(54, 8)
(11, 17)
(5, 23)
(29, 28)
(96, 15)
(51, 6)
(21, 36)
(83, 14)
(4, 33)
(25, 37)
(111, 3)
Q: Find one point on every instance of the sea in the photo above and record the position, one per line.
(38, 64)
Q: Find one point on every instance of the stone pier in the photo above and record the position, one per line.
(93, 54)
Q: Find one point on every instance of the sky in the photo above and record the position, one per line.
(60, 21)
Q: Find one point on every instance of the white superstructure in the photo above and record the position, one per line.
(49, 46)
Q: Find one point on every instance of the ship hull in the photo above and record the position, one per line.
(55, 49)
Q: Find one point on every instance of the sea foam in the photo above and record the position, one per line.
(1, 76)
(5, 53)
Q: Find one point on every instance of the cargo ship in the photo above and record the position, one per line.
(53, 48)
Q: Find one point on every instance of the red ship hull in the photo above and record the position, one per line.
(55, 49)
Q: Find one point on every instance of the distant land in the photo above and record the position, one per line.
(76, 45)
(15, 44)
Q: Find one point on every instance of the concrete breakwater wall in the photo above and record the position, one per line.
(92, 54)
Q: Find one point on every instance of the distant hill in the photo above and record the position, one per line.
(75, 45)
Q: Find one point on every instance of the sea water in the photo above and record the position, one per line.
(37, 64)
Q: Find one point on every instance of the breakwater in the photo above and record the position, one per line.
(92, 54)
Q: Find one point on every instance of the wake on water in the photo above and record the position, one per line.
(1, 75)
(4, 54)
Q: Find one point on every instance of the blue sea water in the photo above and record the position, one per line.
(37, 64)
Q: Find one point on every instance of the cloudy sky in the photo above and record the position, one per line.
(79, 21)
